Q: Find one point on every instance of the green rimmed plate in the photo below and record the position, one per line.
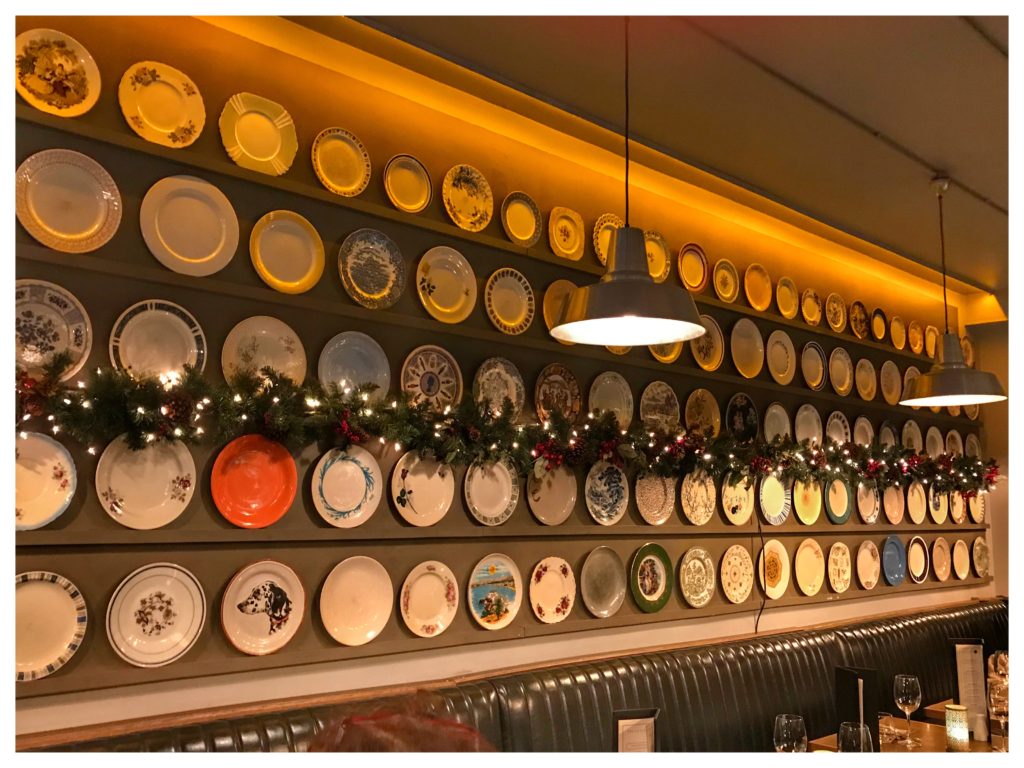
(838, 501)
(650, 577)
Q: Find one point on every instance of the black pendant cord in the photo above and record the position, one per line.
(942, 250)
(626, 133)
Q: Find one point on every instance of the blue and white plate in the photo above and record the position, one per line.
(347, 486)
(50, 620)
(352, 359)
(894, 561)
(607, 493)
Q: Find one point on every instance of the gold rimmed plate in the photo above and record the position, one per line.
(407, 183)
(287, 251)
(726, 280)
(258, 134)
(810, 307)
(341, 162)
(520, 218)
(554, 301)
(787, 298)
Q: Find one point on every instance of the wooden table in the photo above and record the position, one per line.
(932, 737)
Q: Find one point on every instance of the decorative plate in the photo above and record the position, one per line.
(659, 407)
(957, 507)
(498, 380)
(494, 591)
(867, 381)
(697, 577)
(521, 219)
(894, 561)
(429, 599)
(776, 499)
(917, 560)
(837, 428)
(773, 569)
(258, 134)
(726, 280)
(607, 493)
(863, 432)
(741, 418)
(890, 381)
(776, 422)
(808, 425)
(737, 498)
(835, 312)
(917, 502)
(897, 332)
(552, 496)
(509, 300)
(50, 620)
(372, 269)
(347, 486)
(972, 411)
(938, 505)
(909, 375)
(915, 337)
(446, 284)
(887, 435)
(787, 298)
(961, 560)
(972, 445)
(467, 197)
(893, 503)
(350, 360)
(859, 320)
(838, 501)
(781, 356)
(554, 302)
(869, 565)
(49, 320)
(747, 347)
(976, 507)
(702, 412)
(253, 482)
(810, 307)
(809, 567)
(757, 285)
(953, 410)
(422, 489)
(933, 442)
(430, 374)
(941, 559)
(807, 501)
(287, 252)
(967, 347)
(407, 184)
(263, 607)
(161, 104)
(552, 590)
(840, 371)
(55, 73)
(261, 342)
(650, 577)
(557, 390)
(912, 436)
(812, 366)
(693, 267)
(709, 348)
(610, 392)
(356, 600)
(737, 573)
(492, 491)
(145, 489)
(979, 555)
(156, 337)
(603, 582)
(565, 233)
(666, 353)
(954, 443)
(931, 340)
(66, 200)
(655, 497)
(156, 615)
(45, 480)
(341, 162)
(659, 259)
(839, 567)
(698, 496)
(879, 325)
(869, 503)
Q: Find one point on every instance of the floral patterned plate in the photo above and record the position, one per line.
(55, 73)
(552, 496)
(737, 573)
(698, 497)
(566, 234)
(287, 252)
(603, 582)
(709, 348)
(604, 227)
(429, 599)
(495, 591)
(422, 489)
(840, 568)
(350, 360)
(467, 197)
(659, 407)
(557, 390)
(407, 184)
(446, 284)
(835, 312)
(341, 162)
(356, 600)
(726, 280)
(492, 491)
(655, 497)
(979, 556)
(702, 412)
(697, 577)
(741, 417)
(859, 323)
(430, 374)
(497, 380)
(347, 486)
(869, 564)
(509, 300)
(156, 615)
(253, 481)
(659, 259)
(145, 489)
(666, 353)
(262, 608)
(607, 493)
(49, 319)
(45, 480)
(810, 307)
(773, 569)
(50, 619)
(552, 590)
(650, 577)
(161, 104)
(521, 220)
(261, 342)
(258, 134)
(372, 269)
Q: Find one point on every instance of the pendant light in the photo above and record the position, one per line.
(951, 381)
(626, 307)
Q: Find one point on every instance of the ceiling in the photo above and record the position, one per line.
(844, 119)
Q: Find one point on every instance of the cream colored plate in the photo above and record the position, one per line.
(467, 197)
(757, 284)
(356, 600)
(773, 569)
(407, 183)
(954, 443)
(787, 298)
(605, 225)
(552, 496)
(50, 622)
(839, 567)
(961, 560)
(807, 425)
(807, 501)
(520, 218)
(747, 347)
(781, 357)
(976, 506)
(810, 307)
(835, 312)
(709, 348)
(263, 607)
(341, 162)
(446, 284)
(933, 442)
(941, 559)
(161, 104)
(145, 489)
(893, 503)
(697, 495)
(938, 505)
(655, 497)
(889, 377)
(912, 436)
(869, 503)
(737, 573)
(659, 407)
(287, 252)
(702, 412)
(840, 371)
(917, 502)
(869, 564)
(693, 267)
(508, 298)
(262, 341)
(611, 392)
(738, 498)
(429, 599)
(258, 134)
(867, 381)
(898, 332)
(776, 422)
(931, 340)
(917, 560)
(422, 489)
(55, 73)
(863, 432)
(809, 567)
(659, 259)
(492, 491)
(565, 233)
(552, 590)
(726, 280)
(554, 301)
(812, 366)
(915, 337)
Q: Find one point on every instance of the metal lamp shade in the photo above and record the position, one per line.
(626, 307)
(952, 382)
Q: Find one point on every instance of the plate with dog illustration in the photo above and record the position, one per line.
(263, 607)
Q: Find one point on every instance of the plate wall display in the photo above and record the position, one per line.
(697, 577)
(607, 493)
(287, 252)
(726, 280)
(859, 321)
(156, 615)
(894, 561)
(520, 218)
(189, 225)
(350, 360)
(809, 567)
(933, 442)
(430, 374)
(781, 356)
(967, 347)
(838, 501)
(863, 432)
(155, 337)
(741, 417)
(554, 302)
(747, 347)
(893, 502)
(954, 443)
(666, 353)
(953, 410)
(835, 312)
(736, 572)
(145, 489)
(407, 184)
(961, 560)
(263, 607)
(604, 227)
(55, 73)
(347, 486)
(552, 496)
(253, 482)
(693, 267)
(45, 480)
(49, 320)
(261, 342)
(616, 349)
(931, 340)
(494, 591)
(709, 348)
(807, 425)
(702, 412)
(497, 380)
(938, 505)
(650, 577)
(915, 337)
(603, 582)
(429, 599)
(957, 507)
(898, 332)
(840, 371)
(941, 559)
(508, 298)
(776, 422)
(258, 134)
(659, 259)
(356, 600)
(912, 436)
(557, 390)
(890, 382)
(373, 271)
(698, 496)
(566, 233)
(837, 428)
(757, 285)
(655, 497)
(737, 498)
(446, 284)
(972, 446)
(869, 565)
(161, 104)
(879, 325)
(467, 197)
(773, 569)
(976, 506)
(341, 162)
(917, 560)
(917, 502)
(492, 491)
(979, 556)
(869, 502)
(810, 307)
(775, 498)
(659, 407)
(422, 489)
(50, 621)
(840, 567)
(812, 366)
(887, 435)
(972, 411)
(787, 298)
(66, 200)
(807, 501)
(866, 379)
(552, 590)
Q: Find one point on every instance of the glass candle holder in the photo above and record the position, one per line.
(957, 735)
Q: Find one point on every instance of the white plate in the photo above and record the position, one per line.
(938, 505)
(890, 382)
(495, 591)
(429, 599)
(552, 496)
(912, 436)
(50, 620)
(697, 575)
(347, 486)
(356, 600)
(603, 582)
(492, 491)
(747, 348)
(909, 375)
(972, 446)
(446, 284)
(961, 560)
(840, 371)
(430, 374)
(809, 567)
(773, 569)
(839, 567)
(698, 496)
(941, 559)
(893, 502)
(263, 607)
(261, 342)
(869, 503)
(161, 104)
(869, 564)
(655, 497)
(48, 320)
(736, 573)
(659, 407)
(887, 435)
(45, 480)
(287, 251)
(917, 560)
(776, 422)
(957, 507)
(702, 412)
(156, 615)
(917, 502)
(148, 488)
(708, 349)
(867, 381)
(837, 428)
(509, 301)
(775, 498)
(863, 432)
(189, 225)
(258, 134)
(157, 338)
(807, 501)
(808, 424)
(351, 360)
(606, 492)
(496, 380)
(610, 392)
(341, 162)
(933, 442)
(407, 183)
(976, 507)
(931, 340)
(552, 590)
(738, 498)
(954, 443)
(422, 489)
(372, 269)
(812, 366)
(781, 357)
(55, 73)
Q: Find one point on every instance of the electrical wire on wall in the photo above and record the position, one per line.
(764, 580)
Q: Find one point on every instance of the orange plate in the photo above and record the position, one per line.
(253, 481)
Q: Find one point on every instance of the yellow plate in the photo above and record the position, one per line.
(446, 284)
(341, 162)
(55, 73)
(565, 233)
(810, 306)
(161, 104)
(554, 297)
(758, 286)
(618, 350)
(666, 353)
(287, 252)
(467, 197)
(258, 134)
(807, 501)
(915, 337)
(693, 267)
(407, 183)
(604, 226)
(521, 220)
(659, 263)
(787, 298)
(726, 280)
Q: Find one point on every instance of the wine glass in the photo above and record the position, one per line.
(790, 734)
(999, 708)
(906, 689)
(853, 737)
